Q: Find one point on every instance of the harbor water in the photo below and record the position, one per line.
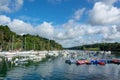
(57, 69)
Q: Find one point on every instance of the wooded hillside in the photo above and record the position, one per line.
(11, 41)
(99, 46)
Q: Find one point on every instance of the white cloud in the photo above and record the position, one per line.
(28, 19)
(111, 33)
(78, 14)
(118, 28)
(71, 30)
(4, 20)
(103, 14)
(109, 2)
(10, 5)
(45, 30)
(92, 30)
(115, 36)
(21, 27)
(112, 37)
(69, 24)
(18, 4)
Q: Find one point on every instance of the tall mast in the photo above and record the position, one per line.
(25, 42)
(12, 42)
(2, 40)
(34, 44)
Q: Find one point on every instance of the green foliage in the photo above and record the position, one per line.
(99, 46)
(11, 41)
(92, 49)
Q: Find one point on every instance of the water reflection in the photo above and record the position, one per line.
(58, 70)
(3, 68)
(116, 54)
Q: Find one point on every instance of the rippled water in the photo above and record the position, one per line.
(58, 70)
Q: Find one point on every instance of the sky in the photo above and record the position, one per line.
(68, 22)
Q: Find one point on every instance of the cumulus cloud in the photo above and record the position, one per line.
(71, 29)
(66, 35)
(118, 28)
(114, 36)
(103, 14)
(111, 33)
(109, 2)
(10, 5)
(78, 14)
(45, 30)
(106, 17)
(21, 27)
(4, 20)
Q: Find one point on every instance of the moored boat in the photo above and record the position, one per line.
(87, 62)
(94, 62)
(70, 61)
(102, 60)
(80, 62)
(101, 63)
(116, 61)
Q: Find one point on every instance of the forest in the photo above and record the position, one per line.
(10, 41)
(99, 46)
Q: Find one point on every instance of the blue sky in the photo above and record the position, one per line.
(69, 22)
(56, 11)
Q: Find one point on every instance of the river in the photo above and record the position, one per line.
(57, 69)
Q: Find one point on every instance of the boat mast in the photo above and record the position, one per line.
(2, 40)
(25, 42)
(34, 45)
(12, 42)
